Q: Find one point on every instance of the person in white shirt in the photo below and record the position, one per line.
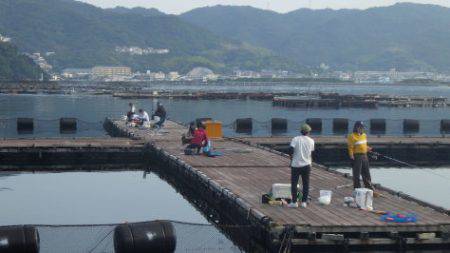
(143, 116)
(132, 108)
(300, 151)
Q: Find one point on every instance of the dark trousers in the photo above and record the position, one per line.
(296, 172)
(161, 121)
(195, 146)
(129, 115)
(360, 167)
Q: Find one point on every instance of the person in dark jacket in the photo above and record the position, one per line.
(161, 113)
(187, 137)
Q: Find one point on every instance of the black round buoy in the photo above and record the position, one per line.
(279, 125)
(144, 237)
(340, 125)
(315, 124)
(19, 239)
(25, 125)
(67, 125)
(445, 126)
(244, 125)
(378, 126)
(411, 126)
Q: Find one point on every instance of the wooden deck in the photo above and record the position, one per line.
(332, 150)
(246, 172)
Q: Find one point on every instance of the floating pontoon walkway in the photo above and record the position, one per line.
(233, 185)
(70, 154)
(332, 150)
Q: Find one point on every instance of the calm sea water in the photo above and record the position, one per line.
(91, 110)
(107, 198)
(90, 198)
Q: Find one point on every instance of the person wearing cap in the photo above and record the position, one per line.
(300, 151)
(161, 113)
(357, 151)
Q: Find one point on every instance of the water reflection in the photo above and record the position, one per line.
(90, 198)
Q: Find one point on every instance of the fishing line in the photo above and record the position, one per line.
(409, 165)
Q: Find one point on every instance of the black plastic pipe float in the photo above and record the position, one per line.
(445, 126)
(279, 125)
(411, 126)
(143, 237)
(19, 239)
(378, 126)
(340, 125)
(67, 125)
(25, 125)
(315, 124)
(244, 125)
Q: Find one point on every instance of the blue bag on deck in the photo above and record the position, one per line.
(214, 154)
(207, 150)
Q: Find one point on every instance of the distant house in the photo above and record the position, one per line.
(76, 73)
(107, 71)
(173, 76)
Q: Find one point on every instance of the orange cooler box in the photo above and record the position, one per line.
(214, 129)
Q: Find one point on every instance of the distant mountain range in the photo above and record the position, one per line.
(16, 67)
(82, 35)
(403, 36)
(223, 38)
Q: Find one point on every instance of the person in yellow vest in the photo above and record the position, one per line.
(357, 150)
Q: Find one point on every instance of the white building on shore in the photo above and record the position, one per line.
(109, 71)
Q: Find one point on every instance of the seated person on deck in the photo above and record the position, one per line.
(143, 117)
(199, 139)
(187, 137)
(131, 112)
(161, 113)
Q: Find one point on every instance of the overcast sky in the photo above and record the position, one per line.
(180, 6)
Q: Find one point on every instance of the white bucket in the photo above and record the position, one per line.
(363, 198)
(325, 197)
